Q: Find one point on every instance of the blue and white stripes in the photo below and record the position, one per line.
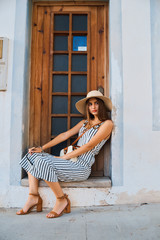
(45, 166)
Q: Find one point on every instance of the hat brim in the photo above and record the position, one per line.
(81, 104)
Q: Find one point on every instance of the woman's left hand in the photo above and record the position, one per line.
(35, 150)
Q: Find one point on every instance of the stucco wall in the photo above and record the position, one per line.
(7, 20)
(135, 144)
(141, 155)
(155, 56)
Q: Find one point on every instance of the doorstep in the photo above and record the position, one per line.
(92, 182)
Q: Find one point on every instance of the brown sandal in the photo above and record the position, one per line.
(38, 205)
(67, 209)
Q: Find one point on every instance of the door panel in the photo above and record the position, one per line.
(69, 58)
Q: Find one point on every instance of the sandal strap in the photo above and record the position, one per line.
(65, 196)
(33, 194)
(22, 212)
(55, 214)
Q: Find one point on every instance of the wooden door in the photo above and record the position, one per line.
(69, 58)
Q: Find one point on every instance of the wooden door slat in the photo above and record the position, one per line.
(50, 74)
(38, 78)
(79, 73)
(69, 73)
(79, 52)
(61, 32)
(33, 76)
(106, 50)
(100, 45)
(59, 52)
(93, 48)
(65, 115)
(66, 94)
(45, 118)
(89, 53)
(81, 4)
(60, 72)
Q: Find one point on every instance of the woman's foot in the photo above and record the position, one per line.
(61, 204)
(33, 200)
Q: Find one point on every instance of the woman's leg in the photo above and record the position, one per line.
(33, 188)
(33, 184)
(60, 203)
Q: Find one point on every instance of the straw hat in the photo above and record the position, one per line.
(81, 104)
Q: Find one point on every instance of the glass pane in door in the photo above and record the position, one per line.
(59, 125)
(75, 120)
(59, 104)
(79, 22)
(61, 22)
(60, 83)
(60, 43)
(60, 62)
(79, 83)
(79, 63)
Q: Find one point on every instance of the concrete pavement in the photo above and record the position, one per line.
(119, 222)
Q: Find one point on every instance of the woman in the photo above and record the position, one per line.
(51, 169)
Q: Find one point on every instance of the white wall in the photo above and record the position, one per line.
(7, 19)
(137, 152)
(141, 155)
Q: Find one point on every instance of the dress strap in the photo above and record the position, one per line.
(84, 133)
(85, 123)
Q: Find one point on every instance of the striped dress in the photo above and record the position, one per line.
(45, 166)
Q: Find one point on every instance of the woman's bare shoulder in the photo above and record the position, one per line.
(108, 123)
(105, 129)
(82, 121)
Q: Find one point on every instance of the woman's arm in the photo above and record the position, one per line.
(60, 138)
(103, 132)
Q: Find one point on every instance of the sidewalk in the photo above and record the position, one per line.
(120, 222)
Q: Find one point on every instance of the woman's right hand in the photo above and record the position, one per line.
(35, 150)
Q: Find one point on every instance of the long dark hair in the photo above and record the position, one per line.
(103, 113)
